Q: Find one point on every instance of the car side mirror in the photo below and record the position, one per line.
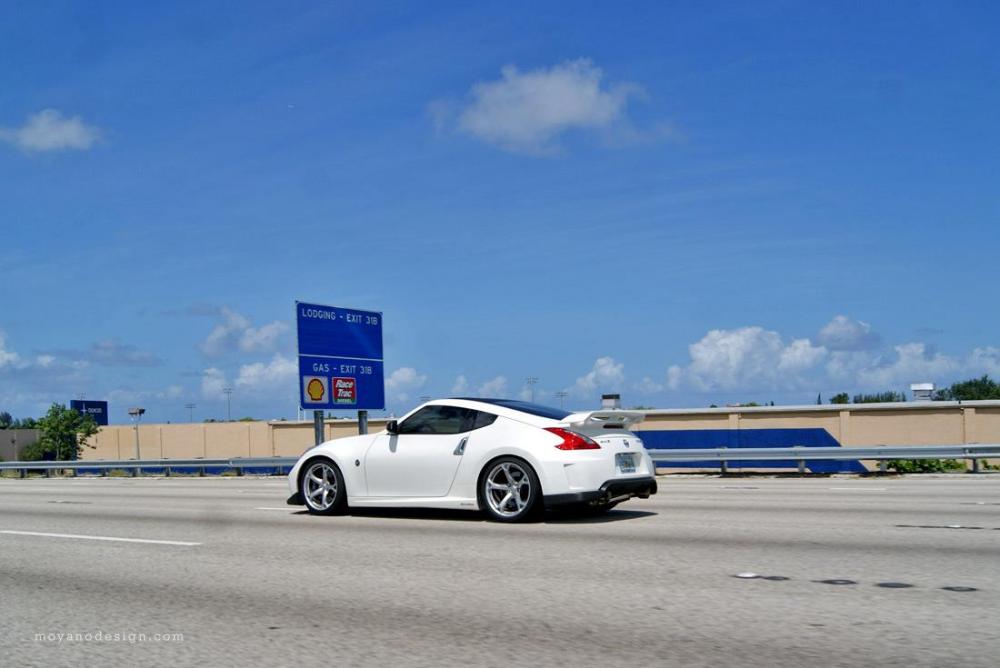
(392, 427)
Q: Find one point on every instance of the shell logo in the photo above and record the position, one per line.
(315, 389)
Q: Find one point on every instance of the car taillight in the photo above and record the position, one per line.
(573, 440)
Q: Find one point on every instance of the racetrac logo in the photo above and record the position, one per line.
(345, 390)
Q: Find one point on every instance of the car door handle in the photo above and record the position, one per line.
(460, 450)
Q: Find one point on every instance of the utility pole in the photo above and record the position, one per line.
(229, 403)
(562, 395)
(530, 381)
(190, 408)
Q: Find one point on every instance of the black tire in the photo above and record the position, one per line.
(509, 490)
(328, 497)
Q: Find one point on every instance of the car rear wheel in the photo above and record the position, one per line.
(322, 487)
(509, 490)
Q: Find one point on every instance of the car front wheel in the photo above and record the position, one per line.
(322, 487)
(509, 490)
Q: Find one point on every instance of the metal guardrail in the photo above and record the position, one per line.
(104, 466)
(880, 452)
(801, 454)
(720, 455)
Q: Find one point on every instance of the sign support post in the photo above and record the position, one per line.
(362, 422)
(318, 426)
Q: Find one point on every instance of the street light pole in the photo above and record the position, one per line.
(562, 395)
(530, 382)
(229, 403)
(136, 415)
(190, 408)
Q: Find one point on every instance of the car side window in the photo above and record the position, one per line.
(439, 420)
(483, 420)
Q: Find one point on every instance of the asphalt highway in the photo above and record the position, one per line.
(836, 571)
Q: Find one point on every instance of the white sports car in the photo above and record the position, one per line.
(508, 458)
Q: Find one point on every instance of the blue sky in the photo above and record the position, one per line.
(687, 203)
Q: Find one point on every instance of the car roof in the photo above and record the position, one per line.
(539, 416)
(537, 410)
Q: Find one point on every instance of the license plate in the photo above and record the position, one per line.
(625, 461)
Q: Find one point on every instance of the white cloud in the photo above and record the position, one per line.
(402, 382)
(273, 380)
(495, 388)
(123, 397)
(461, 385)
(235, 332)
(49, 130)
(648, 386)
(264, 338)
(985, 361)
(747, 358)
(914, 362)
(30, 384)
(213, 380)
(280, 372)
(225, 335)
(7, 357)
(114, 353)
(606, 375)
(844, 333)
(675, 377)
(526, 112)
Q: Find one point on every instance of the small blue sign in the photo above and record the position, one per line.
(340, 358)
(98, 410)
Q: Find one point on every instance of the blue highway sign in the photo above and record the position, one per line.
(95, 409)
(340, 358)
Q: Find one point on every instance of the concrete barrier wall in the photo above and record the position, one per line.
(214, 440)
(857, 425)
(851, 425)
(12, 440)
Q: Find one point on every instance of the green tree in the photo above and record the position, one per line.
(840, 398)
(6, 420)
(63, 432)
(970, 390)
(25, 423)
(879, 398)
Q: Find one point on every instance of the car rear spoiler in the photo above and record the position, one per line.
(610, 419)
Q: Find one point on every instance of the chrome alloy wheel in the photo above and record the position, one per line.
(319, 486)
(507, 489)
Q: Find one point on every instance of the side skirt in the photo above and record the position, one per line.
(447, 502)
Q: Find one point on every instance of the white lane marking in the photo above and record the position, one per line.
(266, 508)
(859, 489)
(111, 538)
